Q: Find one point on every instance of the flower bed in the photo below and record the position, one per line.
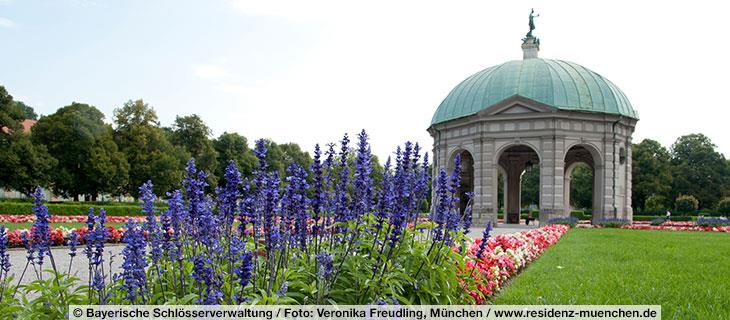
(667, 225)
(505, 255)
(60, 236)
(24, 218)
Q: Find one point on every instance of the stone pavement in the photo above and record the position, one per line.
(79, 269)
(503, 228)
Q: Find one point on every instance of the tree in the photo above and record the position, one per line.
(149, 153)
(291, 152)
(530, 187)
(10, 114)
(651, 173)
(89, 161)
(26, 110)
(698, 169)
(191, 133)
(581, 187)
(232, 146)
(23, 165)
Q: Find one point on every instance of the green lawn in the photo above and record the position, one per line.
(688, 273)
(27, 225)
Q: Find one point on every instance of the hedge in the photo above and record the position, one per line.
(71, 209)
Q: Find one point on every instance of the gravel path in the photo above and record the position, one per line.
(79, 269)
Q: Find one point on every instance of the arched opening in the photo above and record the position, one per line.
(519, 165)
(467, 178)
(582, 181)
(581, 188)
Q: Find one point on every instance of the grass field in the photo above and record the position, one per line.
(27, 225)
(687, 273)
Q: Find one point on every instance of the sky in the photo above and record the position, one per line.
(310, 71)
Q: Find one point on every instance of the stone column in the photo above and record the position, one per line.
(486, 183)
(552, 176)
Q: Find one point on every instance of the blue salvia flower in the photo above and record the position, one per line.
(153, 230)
(247, 211)
(244, 270)
(385, 198)
(329, 182)
(341, 209)
(260, 151)
(73, 241)
(453, 214)
(318, 197)
(41, 232)
(89, 237)
(229, 195)
(101, 234)
(214, 297)
(485, 237)
(195, 184)
(204, 273)
(207, 224)
(294, 203)
(269, 211)
(363, 192)
(442, 207)
(134, 278)
(173, 224)
(325, 264)
(4, 256)
(423, 179)
(283, 289)
(30, 253)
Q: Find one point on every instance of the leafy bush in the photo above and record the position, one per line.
(713, 222)
(581, 214)
(674, 218)
(685, 204)
(723, 206)
(657, 221)
(571, 221)
(611, 222)
(70, 209)
(655, 204)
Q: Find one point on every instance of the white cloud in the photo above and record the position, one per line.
(6, 23)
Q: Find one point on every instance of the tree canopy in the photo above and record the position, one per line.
(89, 161)
(149, 153)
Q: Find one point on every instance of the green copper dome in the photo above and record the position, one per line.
(561, 84)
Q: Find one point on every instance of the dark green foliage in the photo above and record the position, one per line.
(685, 204)
(149, 154)
(655, 204)
(191, 133)
(651, 172)
(233, 146)
(611, 222)
(699, 170)
(23, 165)
(530, 194)
(26, 110)
(281, 155)
(723, 206)
(60, 209)
(10, 114)
(89, 161)
(581, 187)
